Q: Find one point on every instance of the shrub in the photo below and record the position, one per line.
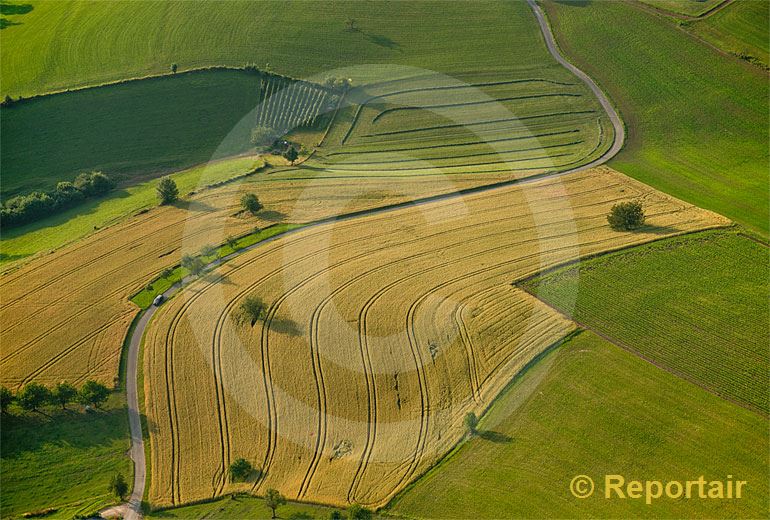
(251, 203)
(356, 512)
(626, 216)
(118, 486)
(193, 264)
(291, 154)
(36, 205)
(33, 396)
(262, 136)
(167, 191)
(273, 499)
(63, 393)
(251, 309)
(6, 399)
(93, 393)
(470, 421)
(240, 470)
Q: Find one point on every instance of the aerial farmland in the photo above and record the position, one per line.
(370, 258)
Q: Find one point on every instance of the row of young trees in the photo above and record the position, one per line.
(23, 209)
(34, 396)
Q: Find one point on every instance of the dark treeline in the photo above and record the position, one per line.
(23, 209)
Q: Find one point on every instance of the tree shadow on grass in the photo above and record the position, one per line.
(383, 41)
(489, 435)
(28, 432)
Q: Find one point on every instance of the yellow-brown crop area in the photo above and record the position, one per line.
(65, 315)
(381, 333)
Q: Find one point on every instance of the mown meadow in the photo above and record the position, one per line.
(696, 305)
(696, 118)
(589, 407)
(299, 39)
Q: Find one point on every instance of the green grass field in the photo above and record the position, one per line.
(63, 461)
(127, 130)
(740, 27)
(696, 305)
(77, 222)
(591, 408)
(696, 119)
(299, 39)
(685, 7)
(241, 507)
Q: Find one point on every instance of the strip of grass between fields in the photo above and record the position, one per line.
(178, 273)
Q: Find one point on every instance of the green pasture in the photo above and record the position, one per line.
(63, 460)
(127, 130)
(741, 27)
(696, 119)
(591, 408)
(684, 7)
(696, 305)
(77, 222)
(301, 39)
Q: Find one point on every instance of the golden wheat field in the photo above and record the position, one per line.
(64, 315)
(381, 332)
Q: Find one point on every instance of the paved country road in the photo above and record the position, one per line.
(132, 510)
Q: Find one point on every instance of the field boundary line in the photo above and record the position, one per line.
(521, 284)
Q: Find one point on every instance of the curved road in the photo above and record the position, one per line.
(133, 509)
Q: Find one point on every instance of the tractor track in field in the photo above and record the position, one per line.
(133, 509)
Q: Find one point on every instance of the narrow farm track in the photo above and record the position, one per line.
(360, 304)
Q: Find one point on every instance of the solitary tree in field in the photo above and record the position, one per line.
(173, 68)
(251, 309)
(291, 154)
(167, 190)
(273, 499)
(63, 393)
(118, 486)
(470, 421)
(251, 203)
(626, 216)
(33, 396)
(93, 393)
(6, 398)
(356, 512)
(193, 264)
(240, 470)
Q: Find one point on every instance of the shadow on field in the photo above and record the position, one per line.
(497, 437)
(574, 3)
(8, 9)
(658, 230)
(271, 215)
(26, 432)
(383, 41)
(285, 326)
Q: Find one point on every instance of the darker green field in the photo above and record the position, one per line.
(696, 118)
(126, 130)
(63, 460)
(741, 27)
(590, 408)
(697, 305)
